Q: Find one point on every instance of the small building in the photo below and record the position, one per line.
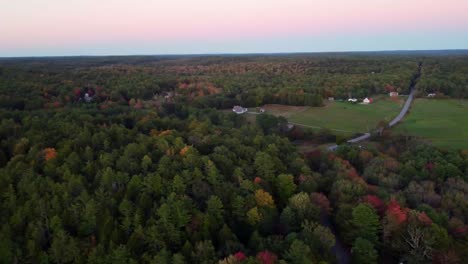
(331, 99)
(431, 95)
(352, 100)
(261, 110)
(87, 98)
(393, 94)
(367, 100)
(239, 109)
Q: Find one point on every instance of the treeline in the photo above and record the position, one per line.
(27, 84)
(253, 99)
(445, 76)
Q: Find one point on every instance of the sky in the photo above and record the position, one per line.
(132, 27)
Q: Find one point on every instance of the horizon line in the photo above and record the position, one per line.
(463, 50)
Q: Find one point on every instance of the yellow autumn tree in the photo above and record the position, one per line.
(254, 216)
(264, 199)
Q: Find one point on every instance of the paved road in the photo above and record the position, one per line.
(404, 110)
(360, 138)
(397, 119)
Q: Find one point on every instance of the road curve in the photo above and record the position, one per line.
(398, 118)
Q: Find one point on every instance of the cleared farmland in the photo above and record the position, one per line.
(443, 122)
(348, 117)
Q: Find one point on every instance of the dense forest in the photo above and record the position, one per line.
(212, 81)
(127, 160)
(445, 77)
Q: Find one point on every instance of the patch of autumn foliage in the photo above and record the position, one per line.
(257, 180)
(264, 198)
(391, 164)
(375, 202)
(389, 88)
(155, 133)
(266, 257)
(396, 213)
(184, 150)
(321, 201)
(50, 153)
(138, 104)
(464, 153)
(457, 227)
(372, 188)
(429, 166)
(365, 156)
(240, 256)
(170, 152)
(302, 178)
(77, 92)
(424, 219)
(445, 257)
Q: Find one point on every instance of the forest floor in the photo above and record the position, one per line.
(442, 121)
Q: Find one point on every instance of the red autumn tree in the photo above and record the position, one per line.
(77, 92)
(49, 153)
(240, 256)
(375, 202)
(321, 201)
(257, 180)
(389, 88)
(396, 213)
(424, 219)
(429, 166)
(266, 257)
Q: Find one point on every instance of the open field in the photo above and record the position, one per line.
(348, 118)
(443, 122)
(284, 110)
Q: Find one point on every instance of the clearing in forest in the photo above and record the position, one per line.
(442, 121)
(349, 117)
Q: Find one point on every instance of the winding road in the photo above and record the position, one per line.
(398, 118)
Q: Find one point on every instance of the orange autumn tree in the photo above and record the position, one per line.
(184, 150)
(49, 153)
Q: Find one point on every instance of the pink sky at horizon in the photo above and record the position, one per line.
(47, 24)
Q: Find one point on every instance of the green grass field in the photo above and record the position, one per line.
(347, 117)
(443, 122)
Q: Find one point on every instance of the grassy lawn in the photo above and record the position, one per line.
(443, 122)
(347, 117)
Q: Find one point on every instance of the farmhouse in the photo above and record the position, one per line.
(367, 100)
(239, 109)
(393, 94)
(353, 100)
(87, 98)
(431, 95)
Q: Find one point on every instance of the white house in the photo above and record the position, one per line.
(431, 95)
(353, 100)
(239, 109)
(87, 98)
(393, 94)
(367, 100)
